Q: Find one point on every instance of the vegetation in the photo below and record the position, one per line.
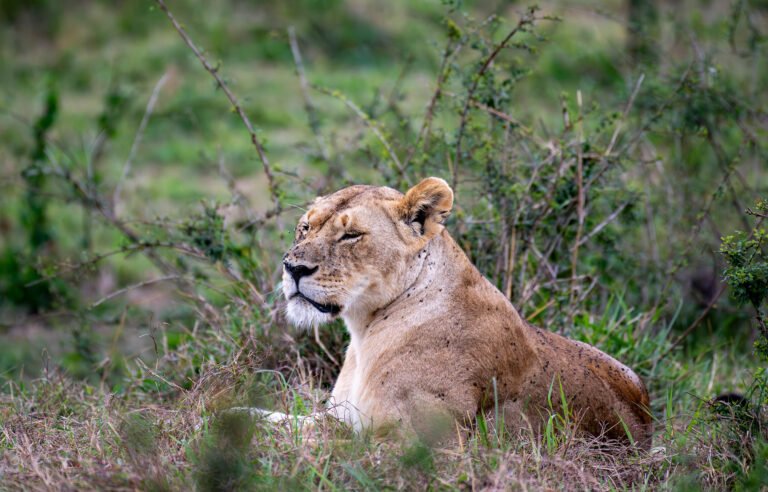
(609, 162)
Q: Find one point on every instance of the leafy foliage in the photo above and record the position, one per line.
(746, 256)
(595, 162)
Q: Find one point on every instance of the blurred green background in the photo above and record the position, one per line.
(659, 107)
(102, 60)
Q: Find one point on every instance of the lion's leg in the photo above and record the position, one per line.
(341, 404)
(343, 385)
(415, 414)
(275, 417)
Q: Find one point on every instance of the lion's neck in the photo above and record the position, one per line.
(421, 282)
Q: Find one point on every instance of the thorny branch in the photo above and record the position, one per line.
(450, 53)
(526, 20)
(214, 71)
(93, 201)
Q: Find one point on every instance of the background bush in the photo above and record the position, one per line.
(600, 151)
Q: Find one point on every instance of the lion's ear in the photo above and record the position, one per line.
(425, 206)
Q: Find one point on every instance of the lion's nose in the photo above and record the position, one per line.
(298, 271)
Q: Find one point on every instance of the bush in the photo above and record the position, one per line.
(592, 181)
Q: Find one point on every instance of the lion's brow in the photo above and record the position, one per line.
(347, 195)
(343, 200)
(335, 203)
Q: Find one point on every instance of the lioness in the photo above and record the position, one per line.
(429, 335)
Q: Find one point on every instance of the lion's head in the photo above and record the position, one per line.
(358, 249)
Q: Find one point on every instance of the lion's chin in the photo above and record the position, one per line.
(304, 314)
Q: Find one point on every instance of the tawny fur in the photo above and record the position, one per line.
(430, 336)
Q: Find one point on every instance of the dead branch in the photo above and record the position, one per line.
(138, 285)
(309, 107)
(214, 71)
(599, 227)
(624, 115)
(580, 198)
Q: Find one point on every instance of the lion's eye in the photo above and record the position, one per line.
(301, 231)
(350, 236)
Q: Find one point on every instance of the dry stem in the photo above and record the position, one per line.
(214, 71)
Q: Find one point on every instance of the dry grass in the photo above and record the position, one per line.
(162, 433)
(63, 435)
(164, 426)
(161, 424)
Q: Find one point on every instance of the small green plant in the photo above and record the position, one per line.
(746, 255)
(21, 282)
(742, 422)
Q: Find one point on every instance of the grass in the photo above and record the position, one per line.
(163, 426)
(154, 435)
(132, 393)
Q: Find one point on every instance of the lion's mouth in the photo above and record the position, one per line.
(323, 308)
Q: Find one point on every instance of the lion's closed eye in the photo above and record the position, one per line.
(351, 235)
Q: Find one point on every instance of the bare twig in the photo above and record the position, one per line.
(94, 201)
(696, 322)
(429, 115)
(137, 139)
(139, 285)
(127, 250)
(371, 124)
(214, 71)
(624, 115)
(660, 111)
(510, 119)
(580, 198)
(599, 227)
(269, 214)
(314, 122)
(451, 50)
